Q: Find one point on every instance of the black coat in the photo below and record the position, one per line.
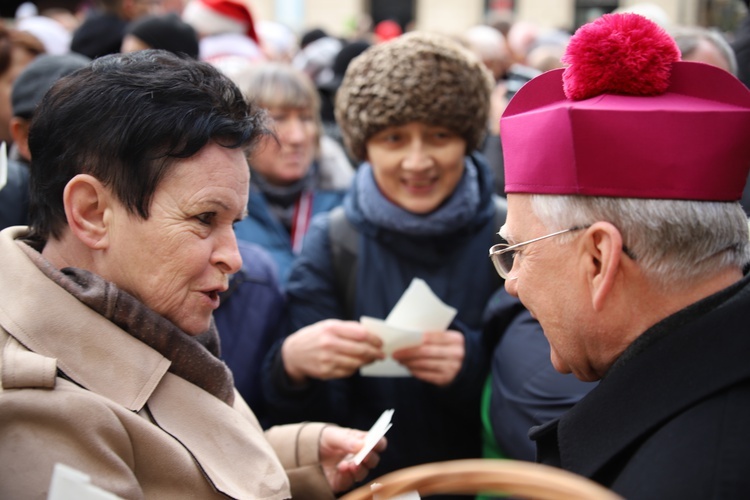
(14, 196)
(526, 390)
(671, 419)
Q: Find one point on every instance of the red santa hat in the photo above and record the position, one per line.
(626, 118)
(213, 17)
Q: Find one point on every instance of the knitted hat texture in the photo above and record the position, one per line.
(422, 77)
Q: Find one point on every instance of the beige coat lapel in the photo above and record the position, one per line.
(230, 458)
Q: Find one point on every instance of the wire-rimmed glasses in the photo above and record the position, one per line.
(503, 255)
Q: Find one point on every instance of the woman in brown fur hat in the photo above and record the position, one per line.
(413, 110)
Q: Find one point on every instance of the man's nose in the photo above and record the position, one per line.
(511, 286)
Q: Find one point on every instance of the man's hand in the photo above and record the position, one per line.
(437, 359)
(329, 349)
(337, 445)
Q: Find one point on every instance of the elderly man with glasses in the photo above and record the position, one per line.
(625, 240)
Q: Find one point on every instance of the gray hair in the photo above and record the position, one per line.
(274, 84)
(689, 37)
(674, 241)
(279, 85)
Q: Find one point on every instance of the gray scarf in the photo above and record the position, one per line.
(194, 359)
(457, 210)
(282, 199)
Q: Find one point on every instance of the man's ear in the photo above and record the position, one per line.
(603, 249)
(88, 208)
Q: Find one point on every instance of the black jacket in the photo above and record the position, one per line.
(671, 419)
(14, 196)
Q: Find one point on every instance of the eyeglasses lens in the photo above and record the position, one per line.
(503, 261)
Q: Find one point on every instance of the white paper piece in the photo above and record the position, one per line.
(409, 495)
(417, 311)
(3, 165)
(71, 484)
(377, 431)
(387, 367)
(393, 339)
(420, 309)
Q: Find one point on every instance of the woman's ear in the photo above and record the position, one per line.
(603, 251)
(88, 205)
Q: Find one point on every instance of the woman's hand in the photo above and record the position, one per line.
(329, 349)
(337, 445)
(437, 359)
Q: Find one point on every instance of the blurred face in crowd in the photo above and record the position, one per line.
(288, 160)
(134, 9)
(178, 260)
(19, 59)
(131, 43)
(707, 52)
(417, 166)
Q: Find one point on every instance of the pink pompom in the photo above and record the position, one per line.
(619, 54)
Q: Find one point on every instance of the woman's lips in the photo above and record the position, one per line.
(213, 298)
(419, 185)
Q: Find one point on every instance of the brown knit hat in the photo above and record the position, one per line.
(418, 76)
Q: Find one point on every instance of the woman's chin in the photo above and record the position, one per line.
(194, 326)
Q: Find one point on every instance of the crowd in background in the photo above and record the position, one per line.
(318, 159)
(226, 34)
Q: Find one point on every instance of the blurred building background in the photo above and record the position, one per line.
(344, 17)
(341, 17)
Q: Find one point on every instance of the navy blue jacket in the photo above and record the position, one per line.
(249, 321)
(265, 229)
(671, 418)
(526, 390)
(430, 423)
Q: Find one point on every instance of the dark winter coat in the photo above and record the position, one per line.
(249, 321)
(430, 423)
(671, 418)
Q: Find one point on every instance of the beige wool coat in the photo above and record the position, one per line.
(77, 389)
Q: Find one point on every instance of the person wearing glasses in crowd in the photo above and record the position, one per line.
(624, 238)
(297, 173)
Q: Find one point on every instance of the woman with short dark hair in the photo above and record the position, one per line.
(109, 351)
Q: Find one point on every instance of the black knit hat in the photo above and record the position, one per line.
(37, 78)
(341, 63)
(310, 36)
(418, 76)
(167, 32)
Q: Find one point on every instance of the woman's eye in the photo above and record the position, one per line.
(206, 218)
